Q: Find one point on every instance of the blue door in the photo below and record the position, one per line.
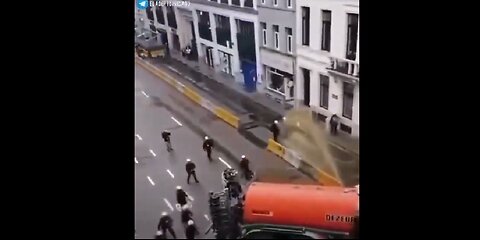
(249, 70)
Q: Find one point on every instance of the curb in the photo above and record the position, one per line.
(222, 114)
(331, 143)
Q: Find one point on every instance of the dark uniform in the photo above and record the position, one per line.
(333, 124)
(190, 167)
(166, 223)
(245, 166)
(275, 130)
(186, 215)
(207, 146)
(238, 212)
(181, 197)
(166, 138)
(191, 231)
(235, 189)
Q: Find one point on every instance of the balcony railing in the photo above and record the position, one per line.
(345, 66)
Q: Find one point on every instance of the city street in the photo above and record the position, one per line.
(157, 172)
(346, 162)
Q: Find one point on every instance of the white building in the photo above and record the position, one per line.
(327, 70)
(212, 26)
(165, 23)
(277, 49)
(219, 47)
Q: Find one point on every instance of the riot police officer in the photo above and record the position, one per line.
(245, 167)
(181, 196)
(190, 167)
(234, 187)
(275, 130)
(208, 146)
(186, 214)
(166, 223)
(191, 230)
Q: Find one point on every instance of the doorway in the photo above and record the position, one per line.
(176, 42)
(192, 27)
(209, 56)
(225, 62)
(306, 87)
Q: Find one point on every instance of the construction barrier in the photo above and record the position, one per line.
(227, 117)
(276, 148)
(327, 180)
(220, 112)
(290, 156)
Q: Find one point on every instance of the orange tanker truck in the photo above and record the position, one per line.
(287, 211)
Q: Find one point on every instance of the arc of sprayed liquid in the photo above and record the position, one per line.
(307, 138)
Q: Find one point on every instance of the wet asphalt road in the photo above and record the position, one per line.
(157, 172)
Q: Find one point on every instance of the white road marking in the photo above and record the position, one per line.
(168, 204)
(149, 179)
(179, 123)
(136, 161)
(146, 95)
(223, 161)
(171, 174)
(153, 153)
(139, 138)
(206, 217)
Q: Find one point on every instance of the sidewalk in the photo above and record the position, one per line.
(229, 142)
(232, 94)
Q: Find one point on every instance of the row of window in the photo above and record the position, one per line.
(275, 3)
(347, 96)
(247, 3)
(276, 81)
(172, 22)
(352, 31)
(276, 38)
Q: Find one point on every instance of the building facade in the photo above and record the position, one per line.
(327, 64)
(223, 33)
(226, 36)
(277, 47)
